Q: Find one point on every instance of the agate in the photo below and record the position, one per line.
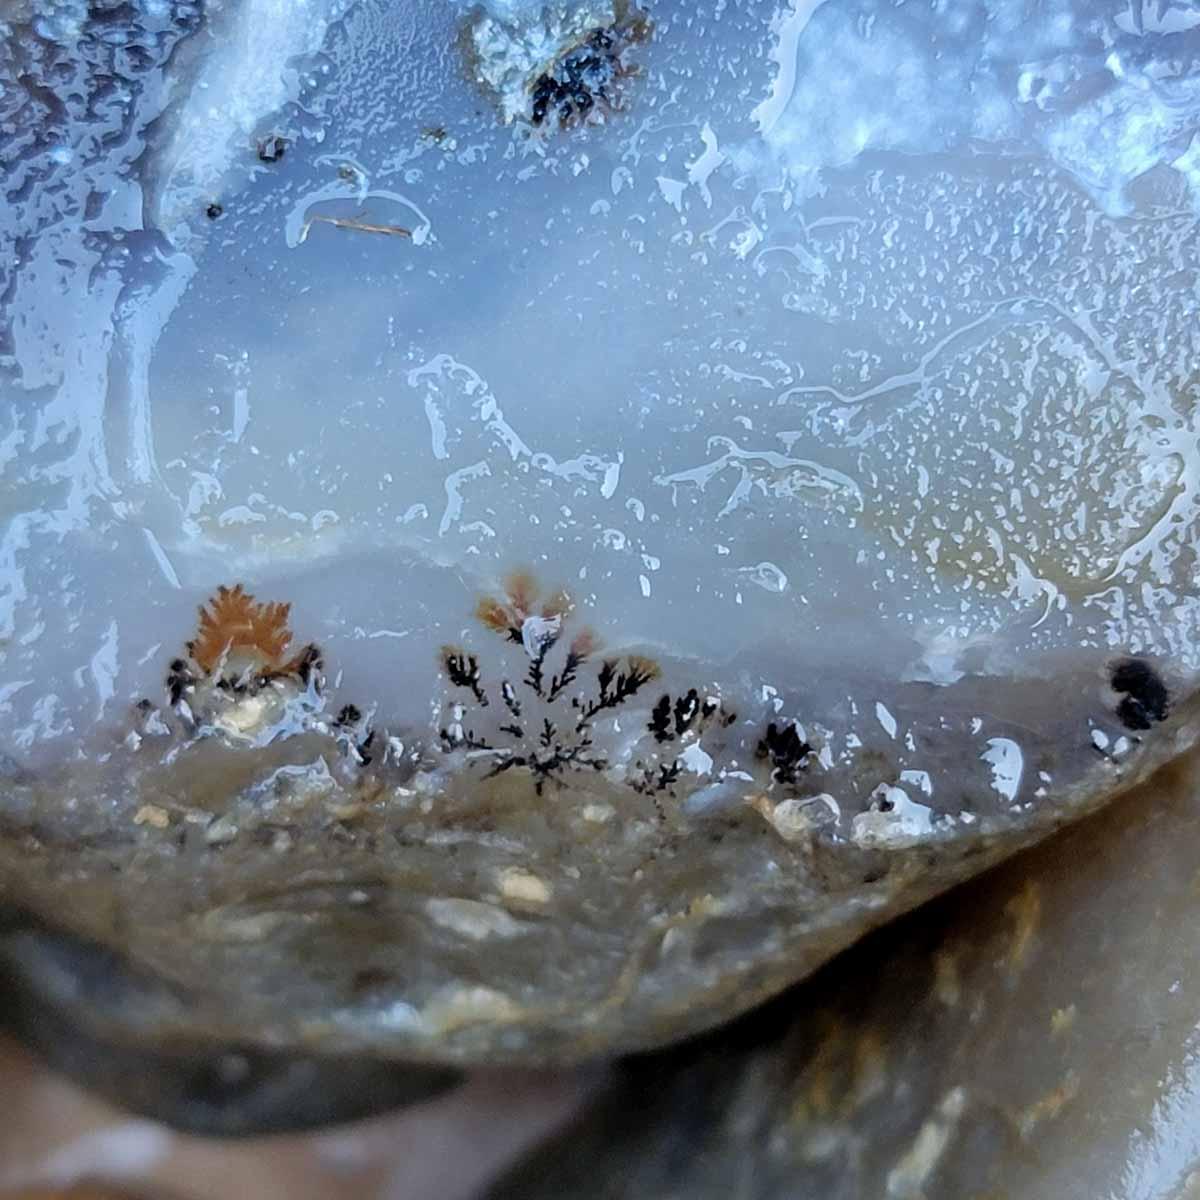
(527, 529)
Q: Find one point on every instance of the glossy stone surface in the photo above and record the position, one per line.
(639, 551)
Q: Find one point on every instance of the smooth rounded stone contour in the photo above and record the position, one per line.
(1030, 1034)
(851, 456)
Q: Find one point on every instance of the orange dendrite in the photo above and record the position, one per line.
(643, 668)
(559, 605)
(584, 644)
(496, 616)
(519, 603)
(522, 591)
(233, 620)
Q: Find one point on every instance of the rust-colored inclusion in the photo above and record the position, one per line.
(232, 621)
(508, 614)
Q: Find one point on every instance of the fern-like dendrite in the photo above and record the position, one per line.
(232, 620)
(551, 704)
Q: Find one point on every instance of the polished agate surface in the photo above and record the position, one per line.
(527, 528)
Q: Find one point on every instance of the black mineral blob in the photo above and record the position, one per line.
(585, 76)
(577, 80)
(1144, 698)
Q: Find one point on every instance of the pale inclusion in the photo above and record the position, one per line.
(900, 448)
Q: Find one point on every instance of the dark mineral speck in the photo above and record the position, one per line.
(585, 76)
(1144, 697)
(271, 149)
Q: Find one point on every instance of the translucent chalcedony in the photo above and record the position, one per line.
(663, 489)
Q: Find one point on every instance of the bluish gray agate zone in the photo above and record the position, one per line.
(841, 363)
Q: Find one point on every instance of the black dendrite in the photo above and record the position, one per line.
(537, 666)
(552, 760)
(787, 751)
(509, 693)
(670, 721)
(467, 740)
(548, 734)
(654, 782)
(355, 735)
(687, 710)
(180, 680)
(462, 670)
(309, 664)
(616, 687)
(569, 674)
(660, 720)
